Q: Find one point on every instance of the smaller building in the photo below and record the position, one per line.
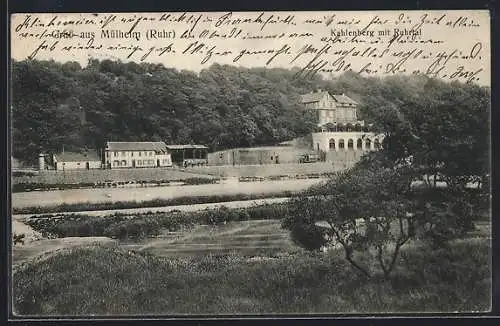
(76, 161)
(259, 155)
(189, 155)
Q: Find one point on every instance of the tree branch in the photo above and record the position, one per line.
(348, 254)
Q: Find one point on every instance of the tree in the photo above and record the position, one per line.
(434, 131)
(222, 107)
(364, 209)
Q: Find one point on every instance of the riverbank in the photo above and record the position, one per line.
(166, 209)
(34, 202)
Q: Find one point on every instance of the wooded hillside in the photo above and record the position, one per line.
(62, 104)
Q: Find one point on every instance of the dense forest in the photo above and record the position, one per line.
(64, 104)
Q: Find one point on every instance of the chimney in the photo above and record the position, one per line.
(41, 161)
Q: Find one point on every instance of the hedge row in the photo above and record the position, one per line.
(121, 226)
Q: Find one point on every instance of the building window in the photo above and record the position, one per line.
(368, 144)
(140, 153)
(107, 154)
(116, 163)
(332, 143)
(350, 144)
(124, 163)
(139, 162)
(341, 144)
(132, 154)
(115, 154)
(150, 153)
(376, 144)
(123, 153)
(359, 144)
(78, 163)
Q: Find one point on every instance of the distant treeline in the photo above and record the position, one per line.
(62, 104)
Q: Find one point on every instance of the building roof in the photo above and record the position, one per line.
(312, 97)
(187, 147)
(136, 146)
(317, 96)
(343, 99)
(76, 157)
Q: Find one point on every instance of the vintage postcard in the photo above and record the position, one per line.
(250, 163)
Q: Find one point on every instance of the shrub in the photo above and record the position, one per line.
(300, 221)
(364, 210)
(135, 229)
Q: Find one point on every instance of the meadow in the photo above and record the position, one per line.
(110, 279)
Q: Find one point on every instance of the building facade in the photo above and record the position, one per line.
(136, 155)
(338, 110)
(340, 128)
(76, 161)
(346, 141)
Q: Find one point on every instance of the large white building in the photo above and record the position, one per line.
(338, 119)
(136, 155)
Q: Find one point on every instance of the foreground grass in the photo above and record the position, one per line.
(110, 280)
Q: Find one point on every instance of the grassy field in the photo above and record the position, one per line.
(168, 275)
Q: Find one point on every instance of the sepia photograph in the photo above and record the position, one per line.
(250, 163)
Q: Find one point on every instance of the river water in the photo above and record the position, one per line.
(99, 195)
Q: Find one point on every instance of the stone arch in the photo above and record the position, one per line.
(331, 143)
(368, 143)
(350, 144)
(341, 144)
(359, 143)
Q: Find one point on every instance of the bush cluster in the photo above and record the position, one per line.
(136, 227)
